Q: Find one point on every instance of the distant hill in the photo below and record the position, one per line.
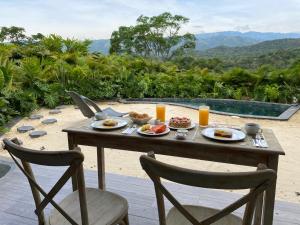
(101, 45)
(252, 50)
(212, 40)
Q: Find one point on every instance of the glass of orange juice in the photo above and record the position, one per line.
(203, 115)
(161, 112)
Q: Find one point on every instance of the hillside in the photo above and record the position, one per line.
(101, 45)
(211, 40)
(252, 50)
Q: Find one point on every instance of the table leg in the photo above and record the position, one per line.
(270, 193)
(72, 146)
(101, 168)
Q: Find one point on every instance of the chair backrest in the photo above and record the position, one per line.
(257, 181)
(73, 159)
(84, 104)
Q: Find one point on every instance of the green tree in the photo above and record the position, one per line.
(53, 43)
(157, 36)
(13, 34)
(75, 46)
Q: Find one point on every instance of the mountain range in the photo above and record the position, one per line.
(254, 50)
(217, 41)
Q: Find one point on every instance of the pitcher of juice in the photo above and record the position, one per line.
(161, 112)
(203, 115)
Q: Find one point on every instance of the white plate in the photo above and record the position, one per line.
(99, 124)
(153, 134)
(177, 128)
(236, 134)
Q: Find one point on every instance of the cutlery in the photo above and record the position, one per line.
(263, 141)
(259, 141)
(257, 138)
(255, 142)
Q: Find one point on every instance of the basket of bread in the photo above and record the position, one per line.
(139, 118)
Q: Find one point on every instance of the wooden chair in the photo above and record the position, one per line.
(256, 181)
(84, 206)
(84, 104)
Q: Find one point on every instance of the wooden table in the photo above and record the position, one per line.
(194, 147)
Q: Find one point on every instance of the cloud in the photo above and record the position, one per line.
(242, 28)
(98, 18)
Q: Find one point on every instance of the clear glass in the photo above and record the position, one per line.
(203, 115)
(161, 112)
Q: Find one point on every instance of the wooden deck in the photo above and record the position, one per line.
(16, 203)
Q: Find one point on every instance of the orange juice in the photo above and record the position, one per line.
(161, 112)
(203, 115)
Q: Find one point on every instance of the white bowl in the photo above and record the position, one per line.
(100, 116)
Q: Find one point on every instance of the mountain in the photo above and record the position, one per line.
(261, 48)
(237, 39)
(212, 40)
(101, 45)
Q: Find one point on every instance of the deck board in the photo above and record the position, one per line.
(16, 203)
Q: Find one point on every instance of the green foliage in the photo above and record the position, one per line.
(38, 73)
(156, 36)
(272, 92)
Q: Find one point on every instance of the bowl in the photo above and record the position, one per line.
(140, 121)
(100, 116)
(252, 128)
(181, 134)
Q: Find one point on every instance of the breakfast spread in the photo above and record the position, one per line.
(180, 122)
(110, 123)
(223, 133)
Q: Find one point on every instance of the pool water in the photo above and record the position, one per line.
(241, 107)
(232, 107)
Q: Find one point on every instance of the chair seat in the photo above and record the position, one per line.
(175, 217)
(111, 112)
(104, 208)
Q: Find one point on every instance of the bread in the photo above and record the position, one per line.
(110, 123)
(223, 133)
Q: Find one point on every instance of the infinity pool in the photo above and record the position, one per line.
(232, 107)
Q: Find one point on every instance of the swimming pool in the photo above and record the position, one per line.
(253, 109)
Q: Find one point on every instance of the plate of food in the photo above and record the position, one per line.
(109, 124)
(224, 134)
(176, 123)
(139, 118)
(153, 130)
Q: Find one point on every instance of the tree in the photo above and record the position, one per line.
(53, 43)
(13, 34)
(76, 46)
(156, 36)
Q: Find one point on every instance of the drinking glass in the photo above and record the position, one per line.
(161, 112)
(203, 115)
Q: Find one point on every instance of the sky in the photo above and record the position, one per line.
(97, 19)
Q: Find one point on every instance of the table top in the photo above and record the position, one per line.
(194, 137)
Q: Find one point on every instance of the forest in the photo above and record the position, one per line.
(35, 71)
